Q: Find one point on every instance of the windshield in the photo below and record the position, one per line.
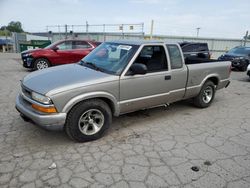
(49, 46)
(110, 58)
(240, 51)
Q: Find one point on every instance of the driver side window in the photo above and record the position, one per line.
(154, 57)
(67, 45)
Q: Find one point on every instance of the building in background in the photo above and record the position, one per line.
(6, 44)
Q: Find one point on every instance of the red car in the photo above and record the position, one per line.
(58, 53)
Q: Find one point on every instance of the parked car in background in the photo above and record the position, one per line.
(58, 53)
(248, 70)
(195, 49)
(239, 56)
(117, 78)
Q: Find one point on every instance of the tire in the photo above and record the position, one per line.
(244, 68)
(88, 120)
(41, 63)
(206, 95)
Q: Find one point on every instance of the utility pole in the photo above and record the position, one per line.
(6, 39)
(59, 32)
(245, 39)
(142, 30)
(198, 30)
(47, 31)
(66, 31)
(87, 29)
(104, 35)
(151, 29)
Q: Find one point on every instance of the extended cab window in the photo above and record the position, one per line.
(175, 56)
(154, 57)
(195, 47)
(81, 45)
(67, 45)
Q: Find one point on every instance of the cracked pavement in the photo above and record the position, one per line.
(151, 148)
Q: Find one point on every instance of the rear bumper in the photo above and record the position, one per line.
(223, 84)
(49, 122)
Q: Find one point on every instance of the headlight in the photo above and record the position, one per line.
(26, 55)
(239, 58)
(40, 98)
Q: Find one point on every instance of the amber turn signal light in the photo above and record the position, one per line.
(50, 109)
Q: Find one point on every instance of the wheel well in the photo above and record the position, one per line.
(108, 101)
(215, 80)
(42, 58)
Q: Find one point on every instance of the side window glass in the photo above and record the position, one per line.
(175, 56)
(81, 45)
(67, 45)
(154, 57)
(195, 47)
(188, 48)
(202, 47)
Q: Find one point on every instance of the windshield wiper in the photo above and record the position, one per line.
(89, 64)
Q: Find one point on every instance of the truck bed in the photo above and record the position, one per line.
(194, 60)
(199, 71)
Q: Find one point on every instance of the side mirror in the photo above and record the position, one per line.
(138, 68)
(55, 48)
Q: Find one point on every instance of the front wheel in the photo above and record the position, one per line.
(206, 95)
(244, 68)
(41, 63)
(88, 120)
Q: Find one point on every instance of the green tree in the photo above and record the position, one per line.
(13, 26)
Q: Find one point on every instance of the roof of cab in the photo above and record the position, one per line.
(137, 42)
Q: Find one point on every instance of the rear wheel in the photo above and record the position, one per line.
(88, 120)
(206, 95)
(41, 63)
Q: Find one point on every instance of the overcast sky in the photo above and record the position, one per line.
(216, 18)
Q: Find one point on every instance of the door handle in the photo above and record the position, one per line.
(168, 77)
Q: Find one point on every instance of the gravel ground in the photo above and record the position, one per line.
(178, 146)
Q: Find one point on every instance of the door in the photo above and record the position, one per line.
(81, 49)
(151, 89)
(64, 54)
(179, 73)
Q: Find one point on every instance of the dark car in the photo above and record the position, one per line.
(195, 49)
(239, 56)
(61, 52)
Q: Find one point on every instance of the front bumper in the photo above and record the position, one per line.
(28, 61)
(238, 63)
(47, 121)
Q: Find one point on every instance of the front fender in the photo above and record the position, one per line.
(92, 95)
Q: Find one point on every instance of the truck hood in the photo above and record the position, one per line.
(54, 80)
(229, 57)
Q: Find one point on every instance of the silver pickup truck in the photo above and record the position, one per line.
(116, 78)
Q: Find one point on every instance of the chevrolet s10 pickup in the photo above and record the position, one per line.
(116, 78)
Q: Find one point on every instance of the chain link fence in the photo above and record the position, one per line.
(58, 32)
